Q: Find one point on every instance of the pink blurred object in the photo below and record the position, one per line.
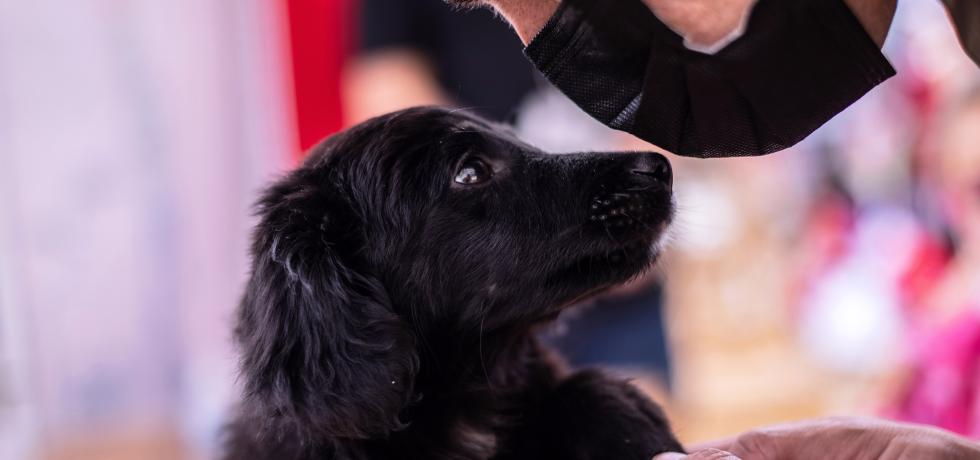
(943, 389)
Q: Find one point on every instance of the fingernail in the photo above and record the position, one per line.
(713, 454)
(670, 456)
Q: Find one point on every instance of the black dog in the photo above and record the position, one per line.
(399, 276)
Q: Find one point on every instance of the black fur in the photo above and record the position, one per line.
(391, 311)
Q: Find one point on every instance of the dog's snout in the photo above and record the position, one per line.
(654, 166)
(641, 201)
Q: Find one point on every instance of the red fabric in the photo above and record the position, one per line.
(319, 36)
(927, 268)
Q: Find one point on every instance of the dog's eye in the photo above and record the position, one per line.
(472, 172)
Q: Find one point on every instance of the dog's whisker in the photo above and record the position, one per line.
(483, 360)
(608, 232)
(640, 221)
(463, 109)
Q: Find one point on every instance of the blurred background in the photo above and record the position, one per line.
(839, 277)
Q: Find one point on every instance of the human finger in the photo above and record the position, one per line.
(703, 454)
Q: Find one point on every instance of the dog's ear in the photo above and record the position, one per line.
(323, 353)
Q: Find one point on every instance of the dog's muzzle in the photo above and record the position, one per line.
(642, 199)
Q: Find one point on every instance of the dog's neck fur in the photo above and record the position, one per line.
(469, 388)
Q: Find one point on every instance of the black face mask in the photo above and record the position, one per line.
(799, 63)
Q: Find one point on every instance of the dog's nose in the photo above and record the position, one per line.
(654, 166)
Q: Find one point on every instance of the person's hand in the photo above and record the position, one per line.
(703, 454)
(875, 15)
(527, 17)
(700, 21)
(844, 438)
(736, 88)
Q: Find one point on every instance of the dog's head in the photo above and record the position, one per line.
(426, 221)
